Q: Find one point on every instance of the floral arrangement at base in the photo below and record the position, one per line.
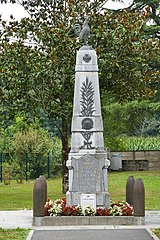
(59, 208)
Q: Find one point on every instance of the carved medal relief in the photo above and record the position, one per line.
(87, 109)
(87, 58)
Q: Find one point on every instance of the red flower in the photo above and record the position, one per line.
(63, 202)
(127, 210)
(106, 212)
(99, 212)
(69, 211)
(102, 212)
(48, 206)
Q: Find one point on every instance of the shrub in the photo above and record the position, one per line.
(56, 156)
(33, 144)
(6, 173)
(116, 143)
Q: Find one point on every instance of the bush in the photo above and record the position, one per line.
(17, 171)
(56, 156)
(33, 144)
(6, 173)
(116, 143)
(26, 139)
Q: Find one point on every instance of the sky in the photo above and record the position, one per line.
(18, 12)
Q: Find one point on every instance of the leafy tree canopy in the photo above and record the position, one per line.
(37, 58)
(152, 6)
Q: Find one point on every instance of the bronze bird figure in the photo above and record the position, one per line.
(84, 34)
(81, 32)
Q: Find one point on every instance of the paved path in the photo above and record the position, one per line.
(23, 219)
(15, 219)
(107, 234)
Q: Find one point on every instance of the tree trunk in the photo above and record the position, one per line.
(65, 151)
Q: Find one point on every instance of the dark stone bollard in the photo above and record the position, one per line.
(39, 197)
(45, 186)
(139, 198)
(129, 189)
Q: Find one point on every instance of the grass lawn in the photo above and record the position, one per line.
(17, 234)
(19, 196)
(157, 232)
(151, 180)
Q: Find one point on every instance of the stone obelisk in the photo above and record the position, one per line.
(87, 162)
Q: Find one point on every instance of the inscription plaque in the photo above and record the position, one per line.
(87, 174)
(88, 200)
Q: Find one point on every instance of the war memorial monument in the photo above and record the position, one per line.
(87, 162)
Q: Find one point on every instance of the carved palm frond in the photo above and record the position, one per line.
(87, 98)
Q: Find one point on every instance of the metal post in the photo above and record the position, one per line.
(48, 165)
(1, 166)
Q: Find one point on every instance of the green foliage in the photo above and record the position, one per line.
(6, 173)
(18, 124)
(39, 76)
(17, 171)
(37, 167)
(115, 143)
(24, 139)
(32, 142)
(152, 31)
(122, 67)
(55, 154)
(142, 143)
(132, 119)
(125, 143)
(151, 6)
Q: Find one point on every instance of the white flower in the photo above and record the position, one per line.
(49, 203)
(89, 211)
(80, 210)
(55, 210)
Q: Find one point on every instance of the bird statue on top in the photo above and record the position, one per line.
(84, 33)
(81, 32)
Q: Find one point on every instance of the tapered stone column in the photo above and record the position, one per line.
(87, 161)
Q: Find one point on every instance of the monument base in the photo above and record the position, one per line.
(84, 221)
(88, 178)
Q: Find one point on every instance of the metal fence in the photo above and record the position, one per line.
(39, 165)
